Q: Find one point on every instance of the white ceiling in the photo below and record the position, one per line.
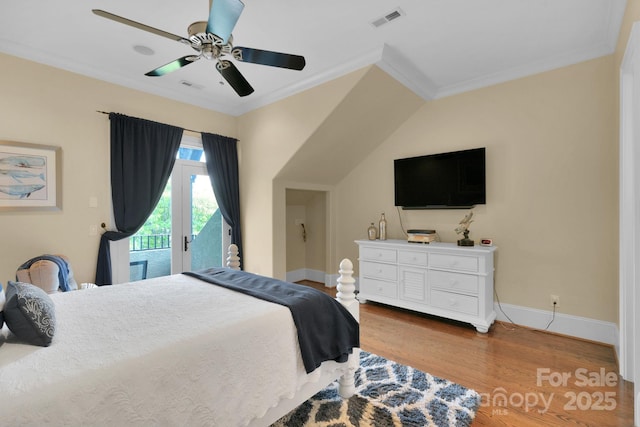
(436, 48)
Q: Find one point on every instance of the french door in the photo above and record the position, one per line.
(186, 231)
(199, 232)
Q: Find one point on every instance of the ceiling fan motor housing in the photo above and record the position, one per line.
(209, 44)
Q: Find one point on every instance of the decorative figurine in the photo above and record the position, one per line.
(464, 229)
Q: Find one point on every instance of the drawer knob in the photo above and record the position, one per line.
(453, 283)
(453, 302)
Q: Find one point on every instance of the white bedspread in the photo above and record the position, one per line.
(176, 352)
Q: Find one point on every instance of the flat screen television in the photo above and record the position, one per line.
(454, 180)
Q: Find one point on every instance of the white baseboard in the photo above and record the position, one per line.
(329, 280)
(296, 275)
(566, 324)
(306, 274)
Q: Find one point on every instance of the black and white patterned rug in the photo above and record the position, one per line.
(388, 394)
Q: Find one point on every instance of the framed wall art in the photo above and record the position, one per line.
(30, 176)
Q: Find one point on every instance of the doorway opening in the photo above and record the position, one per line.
(306, 235)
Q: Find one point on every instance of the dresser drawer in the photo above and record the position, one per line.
(454, 262)
(378, 254)
(378, 287)
(379, 271)
(412, 258)
(455, 302)
(448, 281)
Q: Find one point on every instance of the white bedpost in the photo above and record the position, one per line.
(347, 297)
(347, 289)
(233, 260)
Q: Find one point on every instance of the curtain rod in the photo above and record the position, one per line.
(188, 130)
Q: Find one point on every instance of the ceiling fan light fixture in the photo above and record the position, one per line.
(210, 51)
(144, 50)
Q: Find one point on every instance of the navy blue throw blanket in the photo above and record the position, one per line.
(63, 269)
(326, 329)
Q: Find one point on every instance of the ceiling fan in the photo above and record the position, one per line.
(213, 40)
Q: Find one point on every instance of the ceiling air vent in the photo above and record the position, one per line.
(394, 14)
(191, 85)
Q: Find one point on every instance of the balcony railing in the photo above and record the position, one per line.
(149, 242)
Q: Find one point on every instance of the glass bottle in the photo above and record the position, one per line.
(383, 227)
(372, 232)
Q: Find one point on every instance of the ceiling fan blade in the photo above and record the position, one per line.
(140, 26)
(266, 57)
(232, 75)
(223, 17)
(173, 66)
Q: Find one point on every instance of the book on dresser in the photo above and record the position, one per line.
(441, 279)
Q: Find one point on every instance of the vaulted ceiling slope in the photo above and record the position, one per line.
(367, 115)
(434, 47)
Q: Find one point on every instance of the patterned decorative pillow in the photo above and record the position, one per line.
(30, 313)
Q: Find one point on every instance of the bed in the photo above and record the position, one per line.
(166, 351)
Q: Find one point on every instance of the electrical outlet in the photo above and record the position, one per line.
(555, 300)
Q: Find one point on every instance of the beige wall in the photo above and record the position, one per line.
(269, 137)
(551, 184)
(311, 141)
(44, 105)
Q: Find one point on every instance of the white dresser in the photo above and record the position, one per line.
(442, 279)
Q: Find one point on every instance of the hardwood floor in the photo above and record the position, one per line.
(526, 377)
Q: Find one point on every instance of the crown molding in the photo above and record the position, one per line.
(325, 76)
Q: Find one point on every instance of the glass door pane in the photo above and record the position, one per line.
(205, 228)
(150, 247)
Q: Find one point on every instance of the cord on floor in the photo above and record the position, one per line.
(553, 317)
(495, 291)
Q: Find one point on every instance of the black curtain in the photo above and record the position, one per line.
(221, 153)
(142, 156)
